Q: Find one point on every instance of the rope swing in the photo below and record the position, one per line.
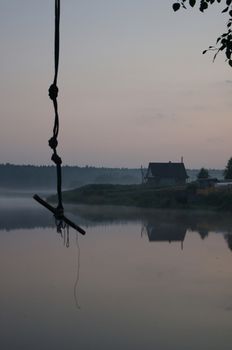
(53, 142)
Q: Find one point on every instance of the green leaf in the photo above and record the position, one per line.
(228, 54)
(203, 6)
(225, 9)
(176, 6)
(192, 3)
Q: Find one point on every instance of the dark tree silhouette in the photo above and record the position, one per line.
(203, 174)
(228, 170)
(224, 41)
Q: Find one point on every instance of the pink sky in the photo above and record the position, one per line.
(134, 85)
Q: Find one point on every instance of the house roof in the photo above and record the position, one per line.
(167, 170)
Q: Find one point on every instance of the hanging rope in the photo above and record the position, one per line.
(53, 94)
(62, 221)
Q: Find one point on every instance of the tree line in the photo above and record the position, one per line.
(227, 173)
(30, 176)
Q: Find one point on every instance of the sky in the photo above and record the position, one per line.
(134, 86)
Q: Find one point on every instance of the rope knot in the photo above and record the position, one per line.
(53, 142)
(56, 159)
(53, 92)
(59, 216)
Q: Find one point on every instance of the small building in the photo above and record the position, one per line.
(166, 174)
(207, 182)
(224, 185)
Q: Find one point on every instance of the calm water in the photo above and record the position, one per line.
(137, 280)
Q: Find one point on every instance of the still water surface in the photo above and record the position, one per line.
(139, 279)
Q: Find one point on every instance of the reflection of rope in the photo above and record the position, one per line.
(64, 238)
(78, 274)
(63, 231)
(143, 230)
(67, 238)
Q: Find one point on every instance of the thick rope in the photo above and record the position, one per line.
(53, 94)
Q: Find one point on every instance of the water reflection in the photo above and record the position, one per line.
(166, 232)
(159, 225)
(228, 238)
(63, 232)
(78, 265)
(173, 226)
(24, 218)
(131, 293)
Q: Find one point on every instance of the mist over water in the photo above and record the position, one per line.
(139, 279)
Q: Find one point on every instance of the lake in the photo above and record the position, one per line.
(138, 279)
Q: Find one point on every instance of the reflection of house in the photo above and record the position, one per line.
(166, 232)
(166, 174)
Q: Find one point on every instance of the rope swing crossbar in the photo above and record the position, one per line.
(53, 142)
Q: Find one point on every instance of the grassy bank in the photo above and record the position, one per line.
(147, 197)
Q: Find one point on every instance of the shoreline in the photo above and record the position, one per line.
(142, 196)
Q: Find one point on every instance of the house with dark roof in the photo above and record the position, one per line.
(166, 174)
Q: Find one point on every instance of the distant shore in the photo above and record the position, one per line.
(30, 177)
(185, 197)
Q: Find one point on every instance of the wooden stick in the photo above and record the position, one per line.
(62, 217)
